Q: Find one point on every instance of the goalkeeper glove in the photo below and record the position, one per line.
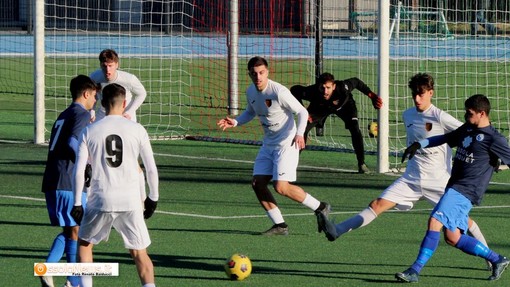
(150, 207)
(88, 175)
(376, 100)
(411, 150)
(77, 213)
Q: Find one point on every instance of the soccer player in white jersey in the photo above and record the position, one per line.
(278, 157)
(135, 92)
(113, 145)
(426, 173)
(109, 73)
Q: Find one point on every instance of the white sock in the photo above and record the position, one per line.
(361, 219)
(86, 281)
(477, 233)
(275, 215)
(149, 285)
(311, 202)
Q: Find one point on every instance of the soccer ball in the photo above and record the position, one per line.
(238, 267)
(373, 129)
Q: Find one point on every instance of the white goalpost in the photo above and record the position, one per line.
(39, 106)
(383, 62)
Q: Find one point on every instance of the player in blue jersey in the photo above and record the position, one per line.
(57, 181)
(479, 145)
(330, 96)
(426, 174)
(278, 157)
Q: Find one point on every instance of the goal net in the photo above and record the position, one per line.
(178, 49)
(465, 54)
(155, 41)
(462, 45)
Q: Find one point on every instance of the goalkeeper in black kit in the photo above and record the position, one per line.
(329, 96)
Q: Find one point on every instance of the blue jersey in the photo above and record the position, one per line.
(61, 156)
(472, 169)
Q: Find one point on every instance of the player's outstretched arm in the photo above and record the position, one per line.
(227, 123)
(376, 100)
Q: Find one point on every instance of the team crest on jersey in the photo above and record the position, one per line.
(480, 137)
(269, 103)
(428, 126)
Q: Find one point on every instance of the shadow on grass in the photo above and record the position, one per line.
(346, 269)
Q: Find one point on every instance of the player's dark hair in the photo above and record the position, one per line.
(80, 84)
(108, 55)
(478, 103)
(257, 61)
(421, 83)
(113, 95)
(325, 78)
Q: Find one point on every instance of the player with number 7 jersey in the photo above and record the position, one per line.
(57, 180)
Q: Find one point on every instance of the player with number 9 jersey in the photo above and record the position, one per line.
(113, 145)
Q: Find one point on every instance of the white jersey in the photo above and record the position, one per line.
(430, 166)
(130, 82)
(275, 107)
(114, 145)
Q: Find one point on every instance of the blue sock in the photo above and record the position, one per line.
(427, 249)
(472, 246)
(57, 249)
(71, 251)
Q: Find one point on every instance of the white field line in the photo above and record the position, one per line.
(250, 162)
(205, 216)
(260, 215)
(502, 168)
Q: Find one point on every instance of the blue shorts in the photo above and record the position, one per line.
(59, 205)
(452, 210)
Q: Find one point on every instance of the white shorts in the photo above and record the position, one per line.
(96, 226)
(280, 163)
(405, 194)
